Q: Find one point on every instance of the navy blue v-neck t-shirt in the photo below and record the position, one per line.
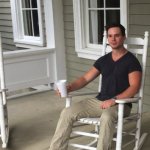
(115, 74)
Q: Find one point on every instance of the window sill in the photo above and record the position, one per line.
(27, 52)
(89, 53)
(29, 44)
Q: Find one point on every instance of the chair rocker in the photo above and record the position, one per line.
(138, 46)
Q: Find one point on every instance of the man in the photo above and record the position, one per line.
(121, 78)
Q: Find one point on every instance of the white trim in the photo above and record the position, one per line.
(49, 23)
(90, 51)
(78, 26)
(124, 16)
(87, 53)
(60, 60)
(28, 68)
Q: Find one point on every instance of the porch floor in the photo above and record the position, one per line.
(33, 119)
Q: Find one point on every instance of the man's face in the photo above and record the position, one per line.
(115, 38)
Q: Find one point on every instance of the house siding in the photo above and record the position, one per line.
(6, 26)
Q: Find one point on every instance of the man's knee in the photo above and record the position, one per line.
(68, 113)
(108, 116)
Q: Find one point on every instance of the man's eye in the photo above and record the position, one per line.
(117, 35)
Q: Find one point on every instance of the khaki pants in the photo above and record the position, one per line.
(86, 108)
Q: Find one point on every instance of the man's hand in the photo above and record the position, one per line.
(68, 90)
(57, 92)
(107, 104)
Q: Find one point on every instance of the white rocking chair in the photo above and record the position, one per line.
(4, 129)
(138, 46)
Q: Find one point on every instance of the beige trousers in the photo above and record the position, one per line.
(86, 108)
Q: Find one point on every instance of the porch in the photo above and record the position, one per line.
(33, 118)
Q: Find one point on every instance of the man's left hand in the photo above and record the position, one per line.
(107, 104)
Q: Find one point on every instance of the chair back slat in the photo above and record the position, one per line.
(134, 41)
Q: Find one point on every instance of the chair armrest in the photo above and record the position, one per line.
(127, 100)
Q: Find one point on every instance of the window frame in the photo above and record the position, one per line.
(18, 29)
(84, 50)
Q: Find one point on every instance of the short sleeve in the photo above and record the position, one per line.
(97, 64)
(134, 65)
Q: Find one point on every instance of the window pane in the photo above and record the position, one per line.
(26, 4)
(35, 23)
(100, 18)
(112, 16)
(112, 3)
(95, 3)
(96, 26)
(30, 18)
(100, 26)
(29, 3)
(34, 3)
(27, 23)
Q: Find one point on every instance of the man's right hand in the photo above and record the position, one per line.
(57, 92)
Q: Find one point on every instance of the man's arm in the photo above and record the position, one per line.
(83, 80)
(135, 83)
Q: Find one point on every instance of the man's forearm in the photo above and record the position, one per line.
(77, 84)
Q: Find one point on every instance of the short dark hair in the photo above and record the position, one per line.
(122, 28)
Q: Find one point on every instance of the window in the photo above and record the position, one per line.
(30, 19)
(90, 17)
(27, 24)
